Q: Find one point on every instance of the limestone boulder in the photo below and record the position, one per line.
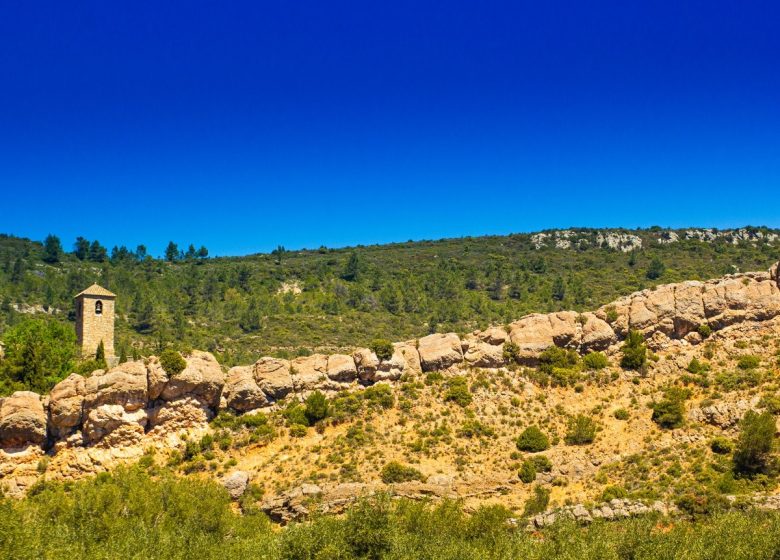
(202, 378)
(479, 353)
(105, 419)
(565, 329)
(596, 333)
(156, 378)
(186, 413)
(366, 363)
(66, 402)
(532, 334)
(439, 351)
(124, 385)
(653, 310)
(236, 483)
(774, 274)
(493, 335)
(241, 391)
(689, 308)
(404, 361)
(273, 377)
(310, 373)
(22, 420)
(341, 367)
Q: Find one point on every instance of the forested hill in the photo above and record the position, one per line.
(293, 302)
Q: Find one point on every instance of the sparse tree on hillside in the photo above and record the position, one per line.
(558, 289)
(97, 253)
(352, 270)
(141, 253)
(171, 252)
(656, 269)
(81, 248)
(52, 249)
(203, 252)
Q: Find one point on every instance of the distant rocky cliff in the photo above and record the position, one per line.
(110, 412)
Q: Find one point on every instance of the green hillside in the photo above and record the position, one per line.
(294, 302)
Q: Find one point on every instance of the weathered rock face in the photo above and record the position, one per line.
(724, 415)
(479, 353)
(366, 363)
(202, 378)
(104, 420)
(532, 334)
(66, 402)
(273, 377)
(439, 351)
(124, 385)
(405, 360)
(241, 391)
(341, 367)
(22, 420)
(235, 483)
(310, 373)
(156, 377)
(185, 413)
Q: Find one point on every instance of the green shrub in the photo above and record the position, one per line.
(697, 367)
(634, 351)
(298, 430)
(721, 445)
(555, 357)
(382, 348)
(704, 330)
(379, 396)
(315, 408)
(581, 430)
(595, 360)
(612, 493)
(748, 362)
(669, 412)
(511, 353)
(538, 502)
(172, 362)
(532, 440)
(612, 314)
(753, 453)
(295, 414)
(458, 391)
(394, 472)
(541, 463)
(527, 472)
(621, 414)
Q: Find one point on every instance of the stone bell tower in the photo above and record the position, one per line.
(95, 321)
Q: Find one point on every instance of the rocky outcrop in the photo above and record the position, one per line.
(342, 368)
(124, 385)
(242, 392)
(290, 505)
(22, 420)
(724, 415)
(613, 510)
(66, 403)
(202, 378)
(122, 404)
(236, 483)
(439, 351)
(273, 377)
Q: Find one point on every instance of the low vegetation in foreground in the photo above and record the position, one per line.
(144, 513)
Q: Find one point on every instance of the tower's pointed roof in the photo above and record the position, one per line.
(95, 290)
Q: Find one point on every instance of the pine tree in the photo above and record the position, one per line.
(352, 270)
(81, 248)
(171, 252)
(52, 249)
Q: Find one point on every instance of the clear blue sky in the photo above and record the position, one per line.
(244, 125)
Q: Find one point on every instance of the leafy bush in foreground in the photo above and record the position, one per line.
(132, 514)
